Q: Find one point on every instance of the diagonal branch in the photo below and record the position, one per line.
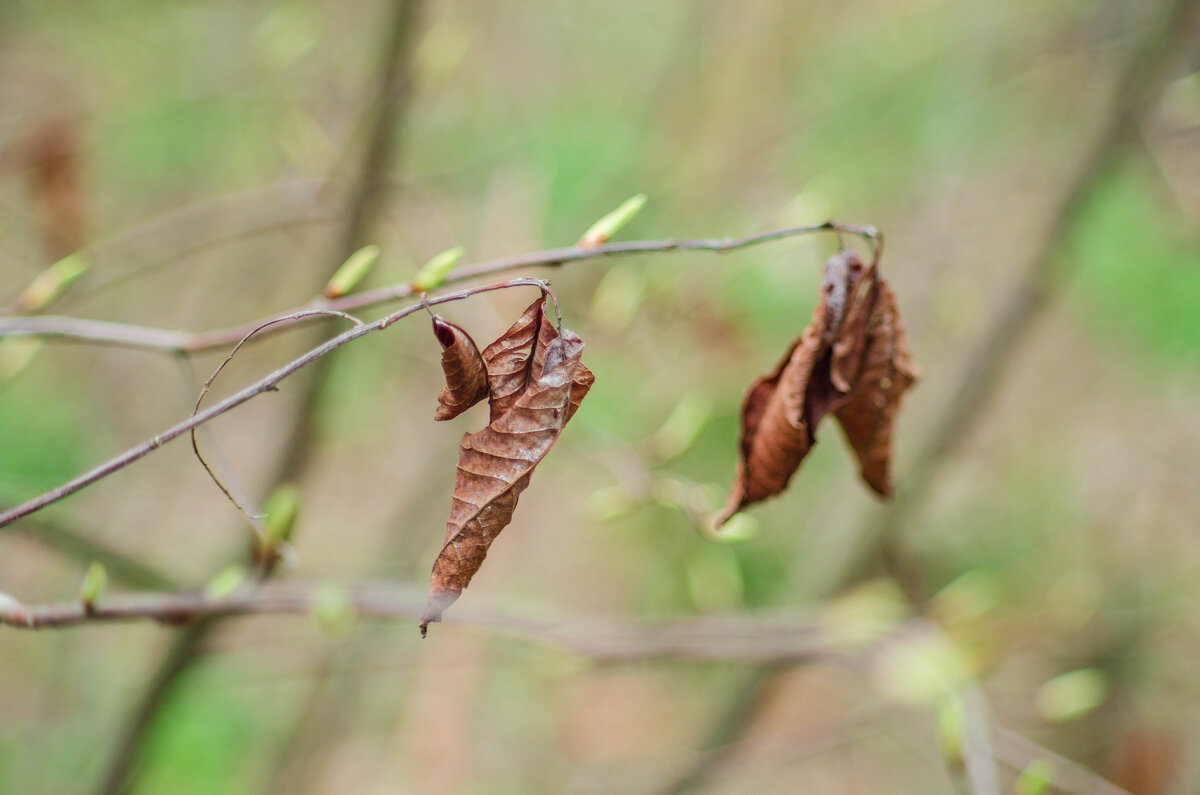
(265, 384)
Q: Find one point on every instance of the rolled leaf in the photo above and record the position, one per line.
(466, 376)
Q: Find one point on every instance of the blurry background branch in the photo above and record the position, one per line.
(388, 104)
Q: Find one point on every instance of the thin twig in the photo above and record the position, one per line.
(266, 384)
(184, 342)
(208, 385)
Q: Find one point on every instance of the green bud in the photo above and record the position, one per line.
(434, 272)
(1035, 779)
(50, 283)
(352, 271)
(333, 610)
(280, 512)
(1072, 695)
(225, 583)
(603, 230)
(94, 582)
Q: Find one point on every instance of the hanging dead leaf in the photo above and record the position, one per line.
(885, 371)
(466, 374)
(852, 360)
(509, 359)
(583, 377)
(495, 464)
(780, 411)
(510, 366)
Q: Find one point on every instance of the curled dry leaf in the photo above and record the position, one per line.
(509, 360)
(466, 375)
(518, 352)
(851, 360)
(541, 386)
(886, 372)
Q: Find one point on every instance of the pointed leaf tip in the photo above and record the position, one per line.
(434, 273)
(351, 272)
(607, 227)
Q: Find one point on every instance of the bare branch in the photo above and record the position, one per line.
(182, 342)
(265, 384)
(792, 638)
(208, 385)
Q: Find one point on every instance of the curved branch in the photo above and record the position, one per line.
(266, 384)
(183, 342)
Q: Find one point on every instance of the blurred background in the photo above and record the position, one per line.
(216, 161)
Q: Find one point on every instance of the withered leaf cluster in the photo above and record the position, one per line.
(851, 361)
(534, 381)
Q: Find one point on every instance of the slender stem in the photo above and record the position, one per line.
(208, 385)
(265, 384)
(172, 341)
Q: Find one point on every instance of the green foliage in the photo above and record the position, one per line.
(1140, 272)
(51, 447)
(200, 743)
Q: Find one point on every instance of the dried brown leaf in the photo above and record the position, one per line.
(781, 410)
(518, 353)
(583, 378)
(886, 372)
(466, 374)
(509, 359)
(852, 360)
(495, 464)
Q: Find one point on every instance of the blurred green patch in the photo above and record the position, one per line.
(171, 140)
(1139, 272)
(45, 443)
(201, 741)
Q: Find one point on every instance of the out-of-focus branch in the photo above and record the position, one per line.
(185, 342)
(267, 384)
(1017, 751)
(390, 108)
(795, 637)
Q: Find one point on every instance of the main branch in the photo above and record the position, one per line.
(124, 335)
